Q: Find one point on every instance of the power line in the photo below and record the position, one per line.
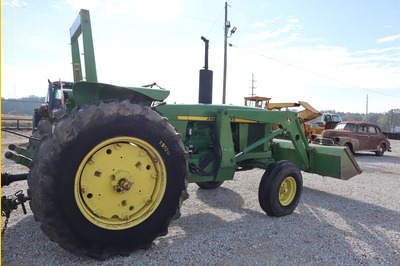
(215, 22)
(312, 72)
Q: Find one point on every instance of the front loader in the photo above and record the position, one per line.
(108, 177)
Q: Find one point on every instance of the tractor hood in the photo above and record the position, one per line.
(91, 92)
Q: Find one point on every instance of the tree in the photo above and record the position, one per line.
(390, 120)
(373, 118)
(21, 106)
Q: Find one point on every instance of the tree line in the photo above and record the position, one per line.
(21, 106)
(388, 121)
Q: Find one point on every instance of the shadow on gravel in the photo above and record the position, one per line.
(363, 233)
(225, 198)
(375, 228)
(324, 229)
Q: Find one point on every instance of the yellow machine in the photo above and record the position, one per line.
(309, 112)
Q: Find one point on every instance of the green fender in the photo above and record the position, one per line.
(91, 92)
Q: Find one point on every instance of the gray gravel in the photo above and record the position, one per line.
(354, 222)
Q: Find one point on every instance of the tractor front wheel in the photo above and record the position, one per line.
(280, 188)
(108, 179)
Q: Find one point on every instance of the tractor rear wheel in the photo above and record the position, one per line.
(280, 188)
(108, 179)
(42, 130)
(43, 126)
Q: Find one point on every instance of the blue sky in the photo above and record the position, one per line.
(328, 53)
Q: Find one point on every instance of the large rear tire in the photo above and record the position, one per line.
(280, 188)
(108, 179)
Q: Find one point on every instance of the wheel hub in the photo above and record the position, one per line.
(120, 183)
(287, 191)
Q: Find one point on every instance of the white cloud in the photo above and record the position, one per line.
(84, 4)
(389, 38)
(310, 73)
(258, 24)
(15, 3)
(379, 51)
(157, 10)
(290, 29)
(294, 36)
(258, 37)
(292, 19)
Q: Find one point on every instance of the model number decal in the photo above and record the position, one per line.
(164, 147)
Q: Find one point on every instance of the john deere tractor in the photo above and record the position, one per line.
(110, 167)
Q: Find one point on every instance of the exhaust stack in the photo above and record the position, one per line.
(206, 79)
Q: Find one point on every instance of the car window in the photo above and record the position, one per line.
(340, 126)
(346, 126)
(350, 127)
(372, 130)
(327, 118)
(336, 118)
(362, 129)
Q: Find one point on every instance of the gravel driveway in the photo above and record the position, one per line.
(337, 222)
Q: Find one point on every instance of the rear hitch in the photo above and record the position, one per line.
(8, 204)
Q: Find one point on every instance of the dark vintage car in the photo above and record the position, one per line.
(357, 136)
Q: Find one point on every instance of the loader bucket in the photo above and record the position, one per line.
(333, 161)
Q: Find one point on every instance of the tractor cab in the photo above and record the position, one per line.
(58, 94)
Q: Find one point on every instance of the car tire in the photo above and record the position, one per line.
(381, 150)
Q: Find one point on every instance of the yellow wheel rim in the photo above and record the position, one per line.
(120, 183)
(287, 191)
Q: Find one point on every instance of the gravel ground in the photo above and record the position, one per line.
(354, 222)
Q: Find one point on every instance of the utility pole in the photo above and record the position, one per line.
(233, 30)
(366, 111)
(252, 85)
(227, 26)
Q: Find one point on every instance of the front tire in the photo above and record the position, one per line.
(108, 179)
(350, 147)
(280, 188)
(381, 150)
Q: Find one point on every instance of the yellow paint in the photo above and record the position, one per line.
(212, 118)
(287, 191)
(120, 183)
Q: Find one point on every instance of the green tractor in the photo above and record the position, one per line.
(109, 172)
(58, 92)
